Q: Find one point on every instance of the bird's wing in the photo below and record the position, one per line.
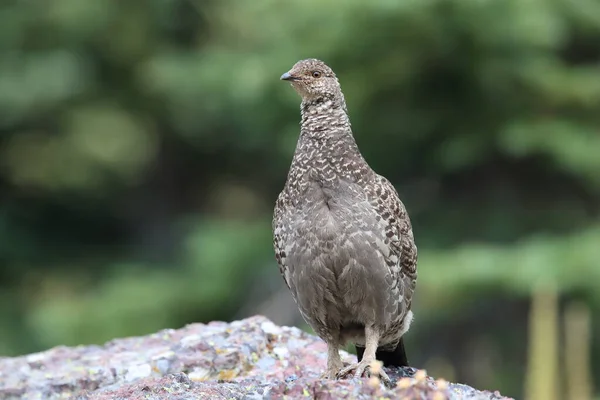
(398, 228)
(280, 237)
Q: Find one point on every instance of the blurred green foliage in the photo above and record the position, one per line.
(143, 143)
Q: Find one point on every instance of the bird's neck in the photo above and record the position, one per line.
(326, 134)
(325, 118)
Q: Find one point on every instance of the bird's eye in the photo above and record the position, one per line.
(316, 74)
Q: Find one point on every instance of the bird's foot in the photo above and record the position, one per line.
(333, 370)
(366, 368)
(330, 374)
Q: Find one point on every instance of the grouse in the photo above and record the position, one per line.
(342, 237)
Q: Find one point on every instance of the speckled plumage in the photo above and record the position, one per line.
(342, 237)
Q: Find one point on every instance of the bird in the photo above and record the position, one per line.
(342, 237)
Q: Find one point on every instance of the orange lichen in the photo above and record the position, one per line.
(227, 374)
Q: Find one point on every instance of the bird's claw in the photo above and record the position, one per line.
(333, 371)
(329, 374)
(383, 377)
(363, 369)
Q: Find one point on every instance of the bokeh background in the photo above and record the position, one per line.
(143, 144)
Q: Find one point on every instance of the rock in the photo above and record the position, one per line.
(248, 359)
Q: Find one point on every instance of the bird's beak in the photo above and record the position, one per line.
(288, 77)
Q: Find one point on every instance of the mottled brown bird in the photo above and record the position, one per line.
(342, 237)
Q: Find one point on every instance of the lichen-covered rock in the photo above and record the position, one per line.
(248, 359)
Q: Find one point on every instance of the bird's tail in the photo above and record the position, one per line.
(390, 358)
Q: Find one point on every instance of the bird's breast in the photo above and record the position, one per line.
(336, 218)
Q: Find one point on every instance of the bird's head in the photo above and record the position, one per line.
(313, 79)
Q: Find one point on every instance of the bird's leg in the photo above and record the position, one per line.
(334, 361)
(364, 366)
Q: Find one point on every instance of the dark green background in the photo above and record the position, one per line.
(143, 144)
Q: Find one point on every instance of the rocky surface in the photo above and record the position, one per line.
(248, 359)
